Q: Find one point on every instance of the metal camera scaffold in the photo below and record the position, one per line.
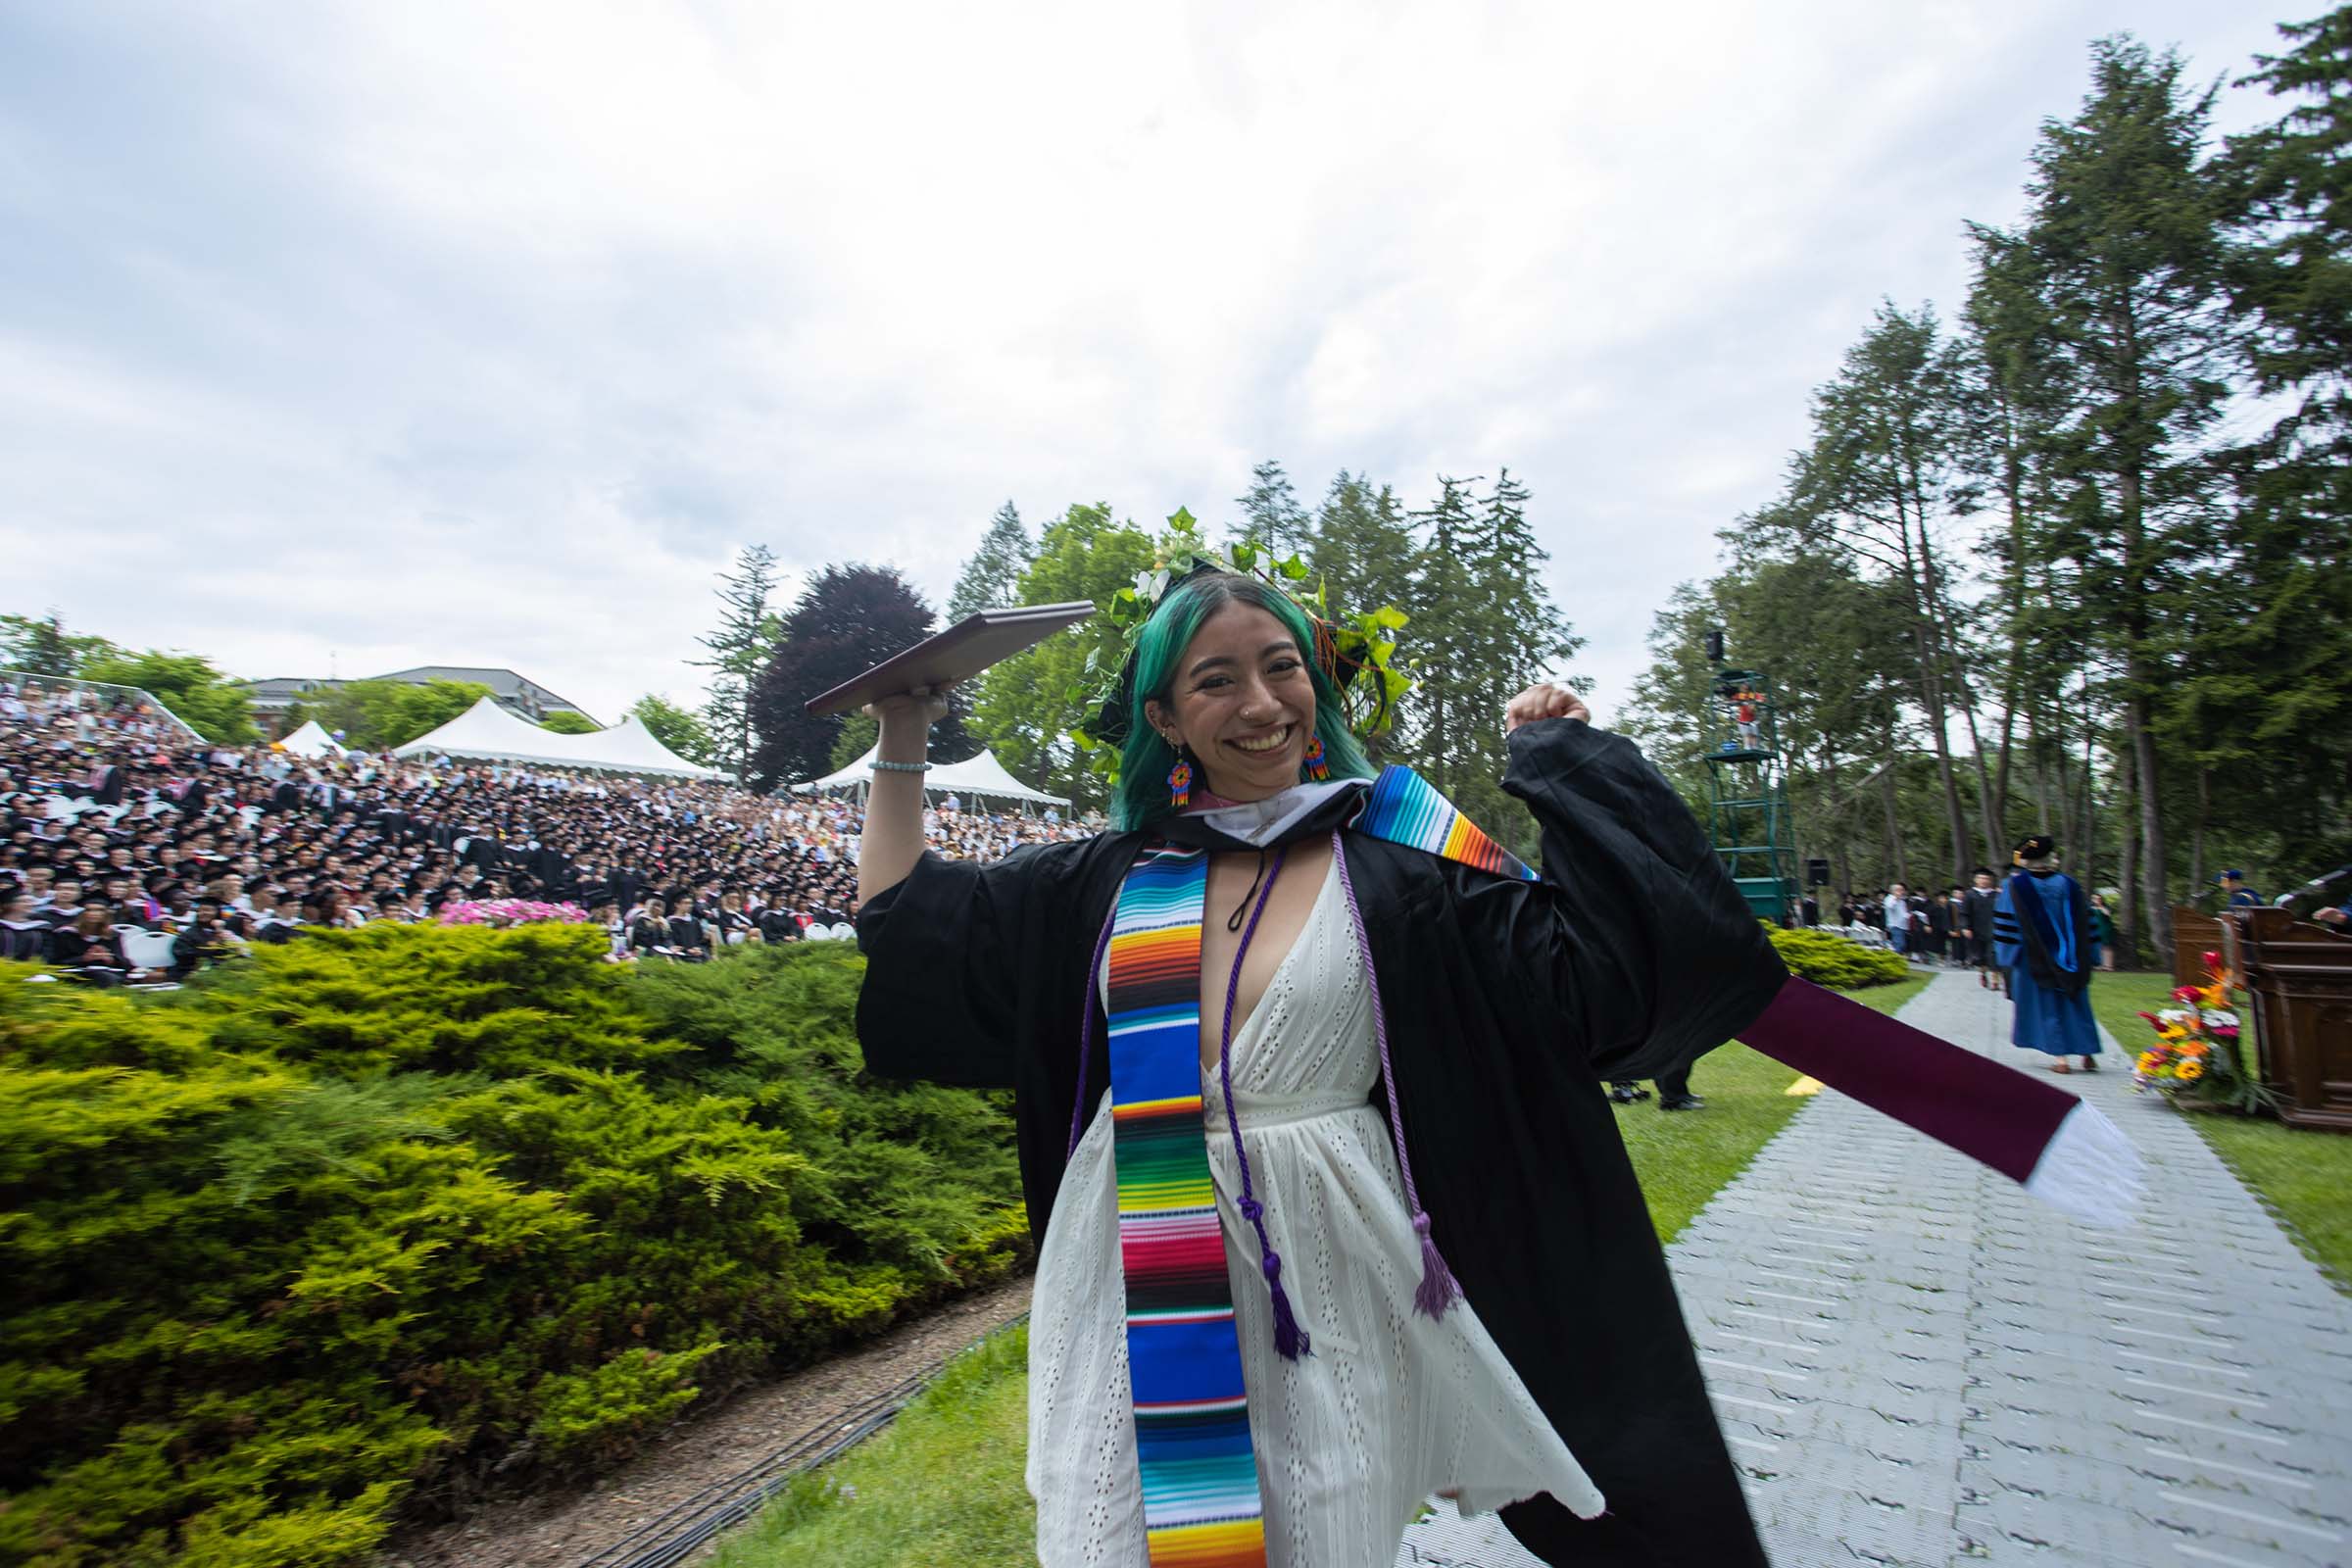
(1748, 818)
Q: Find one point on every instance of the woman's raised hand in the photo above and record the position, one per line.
(1543, 700)
(924, 704)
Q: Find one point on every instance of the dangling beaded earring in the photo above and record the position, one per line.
(1180, 781)
(1316, 768)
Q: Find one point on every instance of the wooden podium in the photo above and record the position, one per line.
(2298, 976)
(2196, 933)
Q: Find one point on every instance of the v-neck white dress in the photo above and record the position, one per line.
(1388, 1409)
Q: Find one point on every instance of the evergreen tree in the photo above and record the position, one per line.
(2125, 233)
(1361, 557)
(1443, 641)
(993, 575)
(1484, 627)
(2274, 686)
(740, 646)
(1879, 487)
(1361, 552)
(848, 619)
(2016, 401)
(1272, 519)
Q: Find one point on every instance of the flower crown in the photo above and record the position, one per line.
(1353, 652)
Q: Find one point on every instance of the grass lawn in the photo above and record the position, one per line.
(2307, 1176)
(942, 1483)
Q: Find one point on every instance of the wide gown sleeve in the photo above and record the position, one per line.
(1637, 935)
(943, 952)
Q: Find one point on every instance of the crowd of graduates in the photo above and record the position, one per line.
(136, 853)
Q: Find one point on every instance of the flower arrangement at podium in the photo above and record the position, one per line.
(2195, 1057)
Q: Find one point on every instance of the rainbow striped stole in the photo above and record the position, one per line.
(1201, 1507)
(1405, 809)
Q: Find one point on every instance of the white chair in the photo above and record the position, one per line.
(146, 949)
(843, 931)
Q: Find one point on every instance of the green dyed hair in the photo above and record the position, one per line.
(1141, 796)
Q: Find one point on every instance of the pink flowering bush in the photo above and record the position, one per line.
(503, 912)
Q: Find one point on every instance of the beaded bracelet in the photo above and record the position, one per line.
(880, 767)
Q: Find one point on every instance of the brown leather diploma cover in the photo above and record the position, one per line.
(962, 651)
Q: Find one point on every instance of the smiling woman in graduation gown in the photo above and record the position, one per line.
(1508, 1003)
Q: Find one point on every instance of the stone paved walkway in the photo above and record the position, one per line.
(1917, 1364)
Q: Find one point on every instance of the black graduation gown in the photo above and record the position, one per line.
(1977, 915)
(1508, 1004)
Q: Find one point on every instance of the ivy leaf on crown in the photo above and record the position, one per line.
(1357, 652)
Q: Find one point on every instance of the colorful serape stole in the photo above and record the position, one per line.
(1201, 1507)
(1404, 807)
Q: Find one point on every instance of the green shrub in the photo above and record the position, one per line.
(1829, 959)
(395, 1207)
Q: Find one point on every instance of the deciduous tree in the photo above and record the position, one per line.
(674, 727)
(848, 619)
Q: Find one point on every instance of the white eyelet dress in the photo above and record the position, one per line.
(1390, 1406)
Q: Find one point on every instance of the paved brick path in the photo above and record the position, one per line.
(1917, 1364)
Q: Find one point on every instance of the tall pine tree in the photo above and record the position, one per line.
(2278, 681)
(1272, 519)
(740, 647)
(1878, 485)
(2125, 233)
(1485, 625)
(993, 575)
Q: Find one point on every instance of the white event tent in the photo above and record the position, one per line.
(311, 741)
(487, 730)
(981, 775)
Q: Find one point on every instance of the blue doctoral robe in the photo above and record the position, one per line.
(2043, 1018)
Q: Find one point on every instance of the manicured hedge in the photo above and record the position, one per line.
(1834, 961)
(397, 1210)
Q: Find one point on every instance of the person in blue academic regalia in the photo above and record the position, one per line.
(2041, 932)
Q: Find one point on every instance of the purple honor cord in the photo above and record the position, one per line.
(1437, 1288)
(1289, 1338)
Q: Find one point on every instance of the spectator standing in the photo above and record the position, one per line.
(2103, 931)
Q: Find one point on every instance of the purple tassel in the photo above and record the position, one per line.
(1290, 1339)
(1436, 1290)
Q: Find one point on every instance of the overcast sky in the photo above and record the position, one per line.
(367, 335)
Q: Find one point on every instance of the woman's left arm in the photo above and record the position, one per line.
(1656, 956)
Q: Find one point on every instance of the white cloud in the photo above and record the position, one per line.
(465, 333)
